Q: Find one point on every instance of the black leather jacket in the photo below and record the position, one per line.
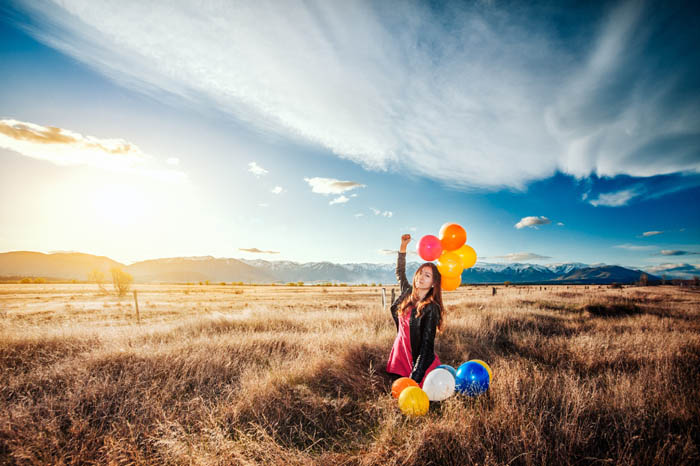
(422, 329)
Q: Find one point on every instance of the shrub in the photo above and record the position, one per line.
(26, 280)
(98, 277)
(121, 281)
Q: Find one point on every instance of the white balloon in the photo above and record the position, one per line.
(439, 384)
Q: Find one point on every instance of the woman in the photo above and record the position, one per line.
(417, 313)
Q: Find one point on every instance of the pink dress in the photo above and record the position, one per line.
(401, 357)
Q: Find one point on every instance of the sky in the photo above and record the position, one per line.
(321, 131)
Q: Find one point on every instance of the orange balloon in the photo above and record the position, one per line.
(449, 264)
(452, 236)
(451, 283)
(467, 255)
(399, 384)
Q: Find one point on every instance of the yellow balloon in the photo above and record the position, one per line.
(413, 401)
(450, 283)
(467, 255)
(486, 366)
(449, 264)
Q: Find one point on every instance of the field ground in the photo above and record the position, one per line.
(295, 375)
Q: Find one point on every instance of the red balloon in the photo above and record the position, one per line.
(452, 236)
(429, 248)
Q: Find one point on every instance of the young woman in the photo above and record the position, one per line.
(417, 313)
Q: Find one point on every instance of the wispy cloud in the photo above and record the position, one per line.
(277, 190)
(521, 257)
(392, 252)
(651, 233)
(386, 213)
(532, 222)
(394, 85)
(681, 270)
(615, 199)
(339, 200)
(634, 247)
(256, 169)
(257, 251)
(69, 148)
(676, 252)
(331, 185)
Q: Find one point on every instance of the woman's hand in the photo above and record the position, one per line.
(405, 239)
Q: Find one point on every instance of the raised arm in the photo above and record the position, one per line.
(401, 263)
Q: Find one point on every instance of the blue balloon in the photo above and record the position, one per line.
(449, 369)
(472, 379)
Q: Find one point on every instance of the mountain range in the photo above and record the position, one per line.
(76, 266)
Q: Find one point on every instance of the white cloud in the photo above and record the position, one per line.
(360, 79)
(358, 215)
(532, 222)
(331, 185)
(617, 198)
(560, 224)
(339, 200)
(69, 148)
(651, 233)
(634, 247)
(256, 169)
(681, 270)
(173, 161)
(521, 257)
(675, 252)
(385, 213)
(277, 190)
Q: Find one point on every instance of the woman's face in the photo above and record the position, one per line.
(424, 278)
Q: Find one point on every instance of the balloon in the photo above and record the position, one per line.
(429, 248)
(414, 402)
(449, 264)
(439, 384)
(450, 283)
(486, 366)
(467, 255)
(452, 236)
(399, 384)
(472, 379)
(448, 368)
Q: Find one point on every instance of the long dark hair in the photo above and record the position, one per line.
(433, 296)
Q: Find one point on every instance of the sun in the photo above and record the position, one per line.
(121, 205)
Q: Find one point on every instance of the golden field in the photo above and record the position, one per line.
(295, 375)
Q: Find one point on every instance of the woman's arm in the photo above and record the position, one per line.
(427, 345)
(401, 264)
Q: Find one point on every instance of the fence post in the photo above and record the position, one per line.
(383, 298)
(136, 302)
(392, 296)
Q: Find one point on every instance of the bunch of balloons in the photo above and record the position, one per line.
(451, 251)
(472, 378)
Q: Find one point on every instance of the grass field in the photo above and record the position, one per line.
(295, 375)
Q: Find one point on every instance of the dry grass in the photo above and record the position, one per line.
(295, 375)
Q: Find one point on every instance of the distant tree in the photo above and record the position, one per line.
(121, 281)
(98, 277)
(663, 279)
(696, 281)
(26, 280)
(644, 279)
(506, 283)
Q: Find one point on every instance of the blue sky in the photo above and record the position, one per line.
(324, 130)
